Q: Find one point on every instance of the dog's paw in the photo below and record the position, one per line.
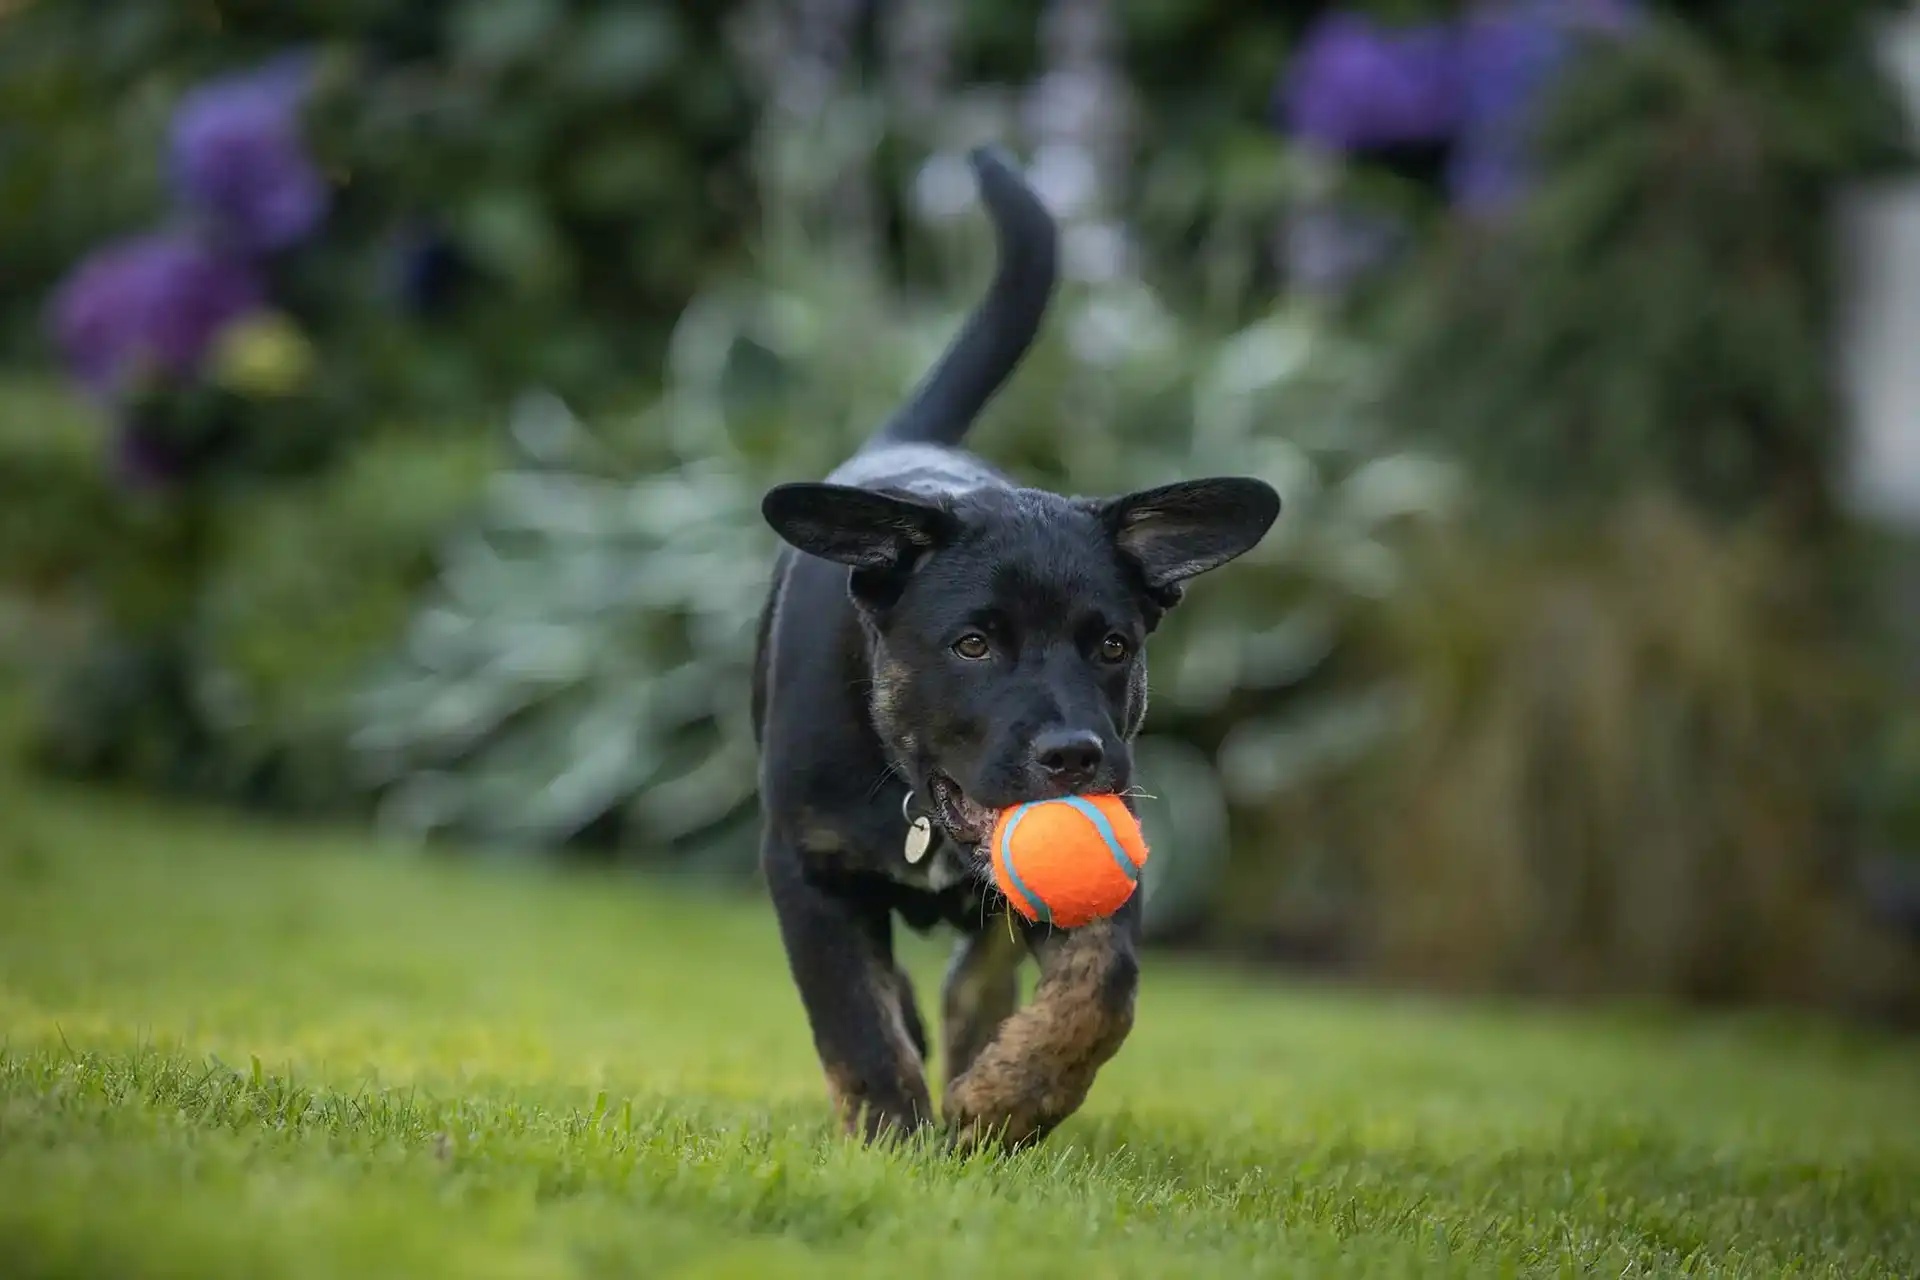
(997, 1111)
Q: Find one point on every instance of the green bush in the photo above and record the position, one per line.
(1659, 313)
(300, 589)
(473, 241)
(61, 516)
(1624, 766)
(582, 165)
(571, 159)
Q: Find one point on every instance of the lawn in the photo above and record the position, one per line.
(235, 1050)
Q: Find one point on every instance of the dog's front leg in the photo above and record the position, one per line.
(864, 1026)
(1038, 1067)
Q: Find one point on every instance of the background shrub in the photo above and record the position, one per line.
(1599, 776)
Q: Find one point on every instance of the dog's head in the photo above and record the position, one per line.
(1008, 625)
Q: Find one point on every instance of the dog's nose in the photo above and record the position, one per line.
(1070, 757)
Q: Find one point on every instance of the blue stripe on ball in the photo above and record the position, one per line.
(1091, 813)
(1040, 911)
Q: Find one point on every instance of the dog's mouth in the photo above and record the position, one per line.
(967, 822)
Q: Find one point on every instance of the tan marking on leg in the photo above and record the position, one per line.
(820, 842)
(899, 1103)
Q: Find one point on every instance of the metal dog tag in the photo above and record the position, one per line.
(919, 839)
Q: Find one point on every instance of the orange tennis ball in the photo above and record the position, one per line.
(1068, 861)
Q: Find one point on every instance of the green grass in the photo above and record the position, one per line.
(231, 1050)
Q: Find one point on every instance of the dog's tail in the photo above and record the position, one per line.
(1001, 329)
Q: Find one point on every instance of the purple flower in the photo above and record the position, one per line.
(1510, 52)
(1355, 84)
(239, 160)
(151, 303)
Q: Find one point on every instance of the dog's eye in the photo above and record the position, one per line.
(972, 646)
(1114, 649)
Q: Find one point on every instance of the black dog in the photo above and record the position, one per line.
(940, 643)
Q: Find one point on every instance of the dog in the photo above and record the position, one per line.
(939, 643)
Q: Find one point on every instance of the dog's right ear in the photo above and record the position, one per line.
(856, 527)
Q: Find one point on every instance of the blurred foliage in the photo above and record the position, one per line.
(577, 670)
(571, 172)
(1657, 751)
(297, 590)
(1658, 314)
(1627, 768)
(560, 168)
(1888, 775)
(61, 511)
(1519, 757)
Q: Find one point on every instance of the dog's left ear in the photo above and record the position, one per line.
(1179, 531)
(859, 528)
